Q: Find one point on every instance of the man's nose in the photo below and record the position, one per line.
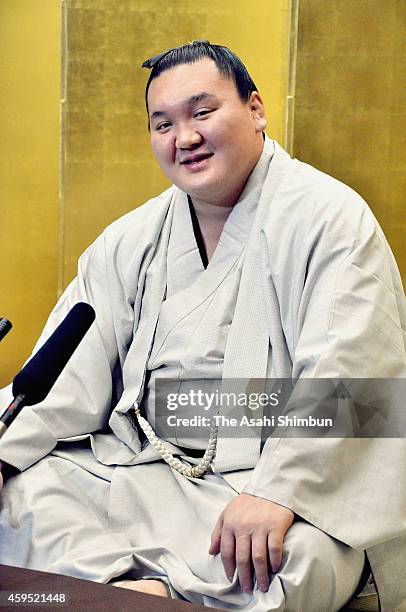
(187, 138)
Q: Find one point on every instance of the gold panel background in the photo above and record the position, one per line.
(351, 102)
(29, 150)
(349, 119)
(108, 167)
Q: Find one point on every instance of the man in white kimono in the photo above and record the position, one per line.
(252, 265)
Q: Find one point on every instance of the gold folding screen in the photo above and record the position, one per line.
(30, 33)
(344, 107)
(350, 105)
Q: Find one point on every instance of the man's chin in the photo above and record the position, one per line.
(204, 194)
(195, 190)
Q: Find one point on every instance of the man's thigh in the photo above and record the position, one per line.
(53, 517)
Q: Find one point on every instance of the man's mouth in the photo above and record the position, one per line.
(194, 160)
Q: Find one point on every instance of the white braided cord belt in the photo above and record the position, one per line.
(195, 471)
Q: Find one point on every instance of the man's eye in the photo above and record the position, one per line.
(163, 126)
(202, 113)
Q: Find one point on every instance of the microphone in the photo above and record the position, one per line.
(33, 383)
(5, 327)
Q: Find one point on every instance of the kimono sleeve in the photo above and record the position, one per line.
(81, 399)
(348, 322)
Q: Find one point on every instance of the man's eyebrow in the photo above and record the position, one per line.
(189, 102)
(199, 97)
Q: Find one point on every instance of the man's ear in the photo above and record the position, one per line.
(257, 109)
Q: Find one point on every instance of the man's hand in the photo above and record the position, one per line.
(251, 530)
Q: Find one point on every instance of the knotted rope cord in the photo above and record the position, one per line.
(195, 471)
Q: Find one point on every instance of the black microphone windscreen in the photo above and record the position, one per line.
(5, 327)
(38, 376)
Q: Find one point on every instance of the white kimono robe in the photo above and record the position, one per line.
(319, 296)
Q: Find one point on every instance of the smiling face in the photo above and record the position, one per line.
(205, 138)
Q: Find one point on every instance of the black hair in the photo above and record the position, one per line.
(227, 62)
